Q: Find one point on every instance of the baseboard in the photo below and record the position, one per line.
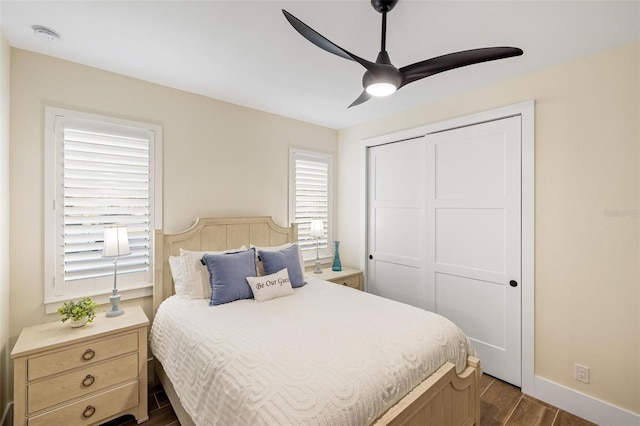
(585, 406)
(7, 416)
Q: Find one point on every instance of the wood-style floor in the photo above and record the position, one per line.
(504, 404)
(501, 404)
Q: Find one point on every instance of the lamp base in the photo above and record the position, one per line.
(318, 270)
(115, 310)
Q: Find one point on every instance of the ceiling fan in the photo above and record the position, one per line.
(382, 78)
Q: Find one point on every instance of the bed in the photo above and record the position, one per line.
(330, 356)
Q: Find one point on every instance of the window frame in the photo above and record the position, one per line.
(325, 254)
(55, 292)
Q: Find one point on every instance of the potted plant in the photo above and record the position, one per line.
(79, 312)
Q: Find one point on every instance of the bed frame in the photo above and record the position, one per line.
(442, 399)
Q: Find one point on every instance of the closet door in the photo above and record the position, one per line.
(396, 222)
(444, 233)
(473, 229)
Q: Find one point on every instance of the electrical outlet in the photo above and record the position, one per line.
(582, 373)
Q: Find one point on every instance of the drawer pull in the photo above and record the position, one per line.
(88, 354)
(89, 411)
(88, 381)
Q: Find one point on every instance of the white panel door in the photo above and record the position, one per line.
(396, 223)
(473, 228)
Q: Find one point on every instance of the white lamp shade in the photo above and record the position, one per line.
(317, 228)
(116, 241)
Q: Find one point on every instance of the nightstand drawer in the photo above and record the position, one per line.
(79, 355)
(49, 392)
(353, 282)
(91, 410)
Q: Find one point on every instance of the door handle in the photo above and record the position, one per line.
(370, 256)
(513, 283)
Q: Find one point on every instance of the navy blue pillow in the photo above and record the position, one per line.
(274, 261)
(227, 275)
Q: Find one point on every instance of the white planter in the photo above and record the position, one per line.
(78, 323)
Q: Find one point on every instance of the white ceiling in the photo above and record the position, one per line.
(245, 52)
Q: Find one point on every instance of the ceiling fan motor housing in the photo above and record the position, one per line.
(382, 73)
(383, 6)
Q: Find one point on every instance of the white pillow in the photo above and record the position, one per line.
(175, 264)
(195, 275)
(260, 267)
(271, 286)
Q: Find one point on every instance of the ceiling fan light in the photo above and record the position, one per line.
(380, 89)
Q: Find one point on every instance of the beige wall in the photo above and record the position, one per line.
(587, 157)
(219, 158)
(4, 220)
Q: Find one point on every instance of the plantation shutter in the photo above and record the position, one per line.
(312, 177)
(106, 180)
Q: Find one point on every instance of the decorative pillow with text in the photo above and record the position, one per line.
(271, 286)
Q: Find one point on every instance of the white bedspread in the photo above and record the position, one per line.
(326, 355)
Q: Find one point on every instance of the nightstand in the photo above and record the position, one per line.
(347, 277)
(82, 376)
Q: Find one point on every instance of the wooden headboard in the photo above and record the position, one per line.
(213, 234)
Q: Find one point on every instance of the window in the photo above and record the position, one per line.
(310, 197)
(99, 171)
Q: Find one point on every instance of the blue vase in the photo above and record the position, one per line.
(337, 266)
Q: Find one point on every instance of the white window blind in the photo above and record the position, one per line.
(311, 198)
(106, 181)
(98, 171)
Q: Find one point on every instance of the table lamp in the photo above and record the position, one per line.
(116, 243)
(317, 231)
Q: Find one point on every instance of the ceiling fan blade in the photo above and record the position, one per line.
(436, 65)
(323, 43)
(364, 97)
